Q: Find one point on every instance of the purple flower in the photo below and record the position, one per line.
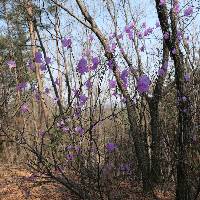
(165, 66)
(11, 64)
(24, 108)
(91, 37)
(148, 31)
(188, 11)
(69, 147)
(31, 66)
(82, 99)
(113, 47)
(187, 77)
(112, 84)
(111, 64)
(60, 124)
(70, 157)
(120, 36)
(122, 51)
(88, 84)
(179, 35)
(79, 130)
(125, 167)
(140, 35)
(41, 133)
(47, 90)
(56, 99)
(144, 25)
(166, 35)
(130, 35)
(77, 112)
(82, 67)
(157, 24)
(76, 92)
(143, 84)
(38, 57)
(57, 81)
(127, 29)
(132, 24)
(142, 48)
(112, 35)
(162, 2)
(111, 147)
(77, 148)
(161, 72)
(67, 42)
(95, 62)
(21, 86)
(174, 51)
(184, 98)
(43, 67)
(47, 60)
(87, 52)
(177, 8)
(124, 77)
(37, 96)
(65, 129)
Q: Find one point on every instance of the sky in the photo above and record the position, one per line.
(71, 28)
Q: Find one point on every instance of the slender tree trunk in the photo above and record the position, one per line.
(183, 187)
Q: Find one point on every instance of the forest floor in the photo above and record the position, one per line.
(15, 185)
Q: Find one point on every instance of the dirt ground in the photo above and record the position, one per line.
(16, 184)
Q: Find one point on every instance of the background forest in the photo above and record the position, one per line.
(101, 97)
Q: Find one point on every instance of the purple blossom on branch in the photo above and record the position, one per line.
(124, 77)
(57, 81)
(187, 77)
(21, 86)
(112, 84)
(140, 35)
(79, 130)
(157, 24)
(24, 108)
(70, 157)
(47, 60)
(177, 8)
(91, 37)
(111, 147)
(65, 129)
(67, 42)
(43, 67)
(88, 84)
(31, 66)
(162, 2)
(11, 64)
(38, 57)
(82, 67)
(161, 72)
(47, 90)
(82, 99)
(111, 64)
(173, 51)
(143, 84)
(166, 35)
(188, 11)
(95, 62)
